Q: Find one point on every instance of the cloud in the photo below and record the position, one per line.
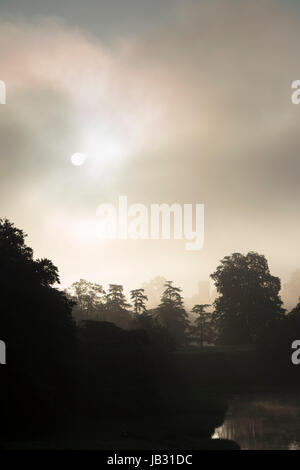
(198, 111)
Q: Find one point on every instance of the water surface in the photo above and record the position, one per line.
(263, 421)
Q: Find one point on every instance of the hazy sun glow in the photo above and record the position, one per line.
(78, 159)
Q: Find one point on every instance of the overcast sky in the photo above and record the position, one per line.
(186, 102)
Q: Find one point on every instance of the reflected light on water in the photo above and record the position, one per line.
(263, 421)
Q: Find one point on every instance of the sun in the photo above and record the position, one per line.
(78, 159)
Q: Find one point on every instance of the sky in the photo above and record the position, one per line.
(172, 102)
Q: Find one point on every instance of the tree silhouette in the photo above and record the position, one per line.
(171, 296)
(201, 321)
(171, 313)
(31, 307)
(138, 299)
(115, 297)
(295, 312)
(117, 305)
(37, 326)
(89, 298)
(248, 301)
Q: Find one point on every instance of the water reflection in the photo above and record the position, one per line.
(263, 421)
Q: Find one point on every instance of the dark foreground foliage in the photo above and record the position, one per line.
(92, 384)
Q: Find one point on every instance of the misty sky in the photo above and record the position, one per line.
(186, 102)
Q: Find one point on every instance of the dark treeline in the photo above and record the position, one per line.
(85, 362)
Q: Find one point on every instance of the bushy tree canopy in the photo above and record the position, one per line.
(248, 301)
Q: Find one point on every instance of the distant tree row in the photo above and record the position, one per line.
(91, 302)
(247, 307)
